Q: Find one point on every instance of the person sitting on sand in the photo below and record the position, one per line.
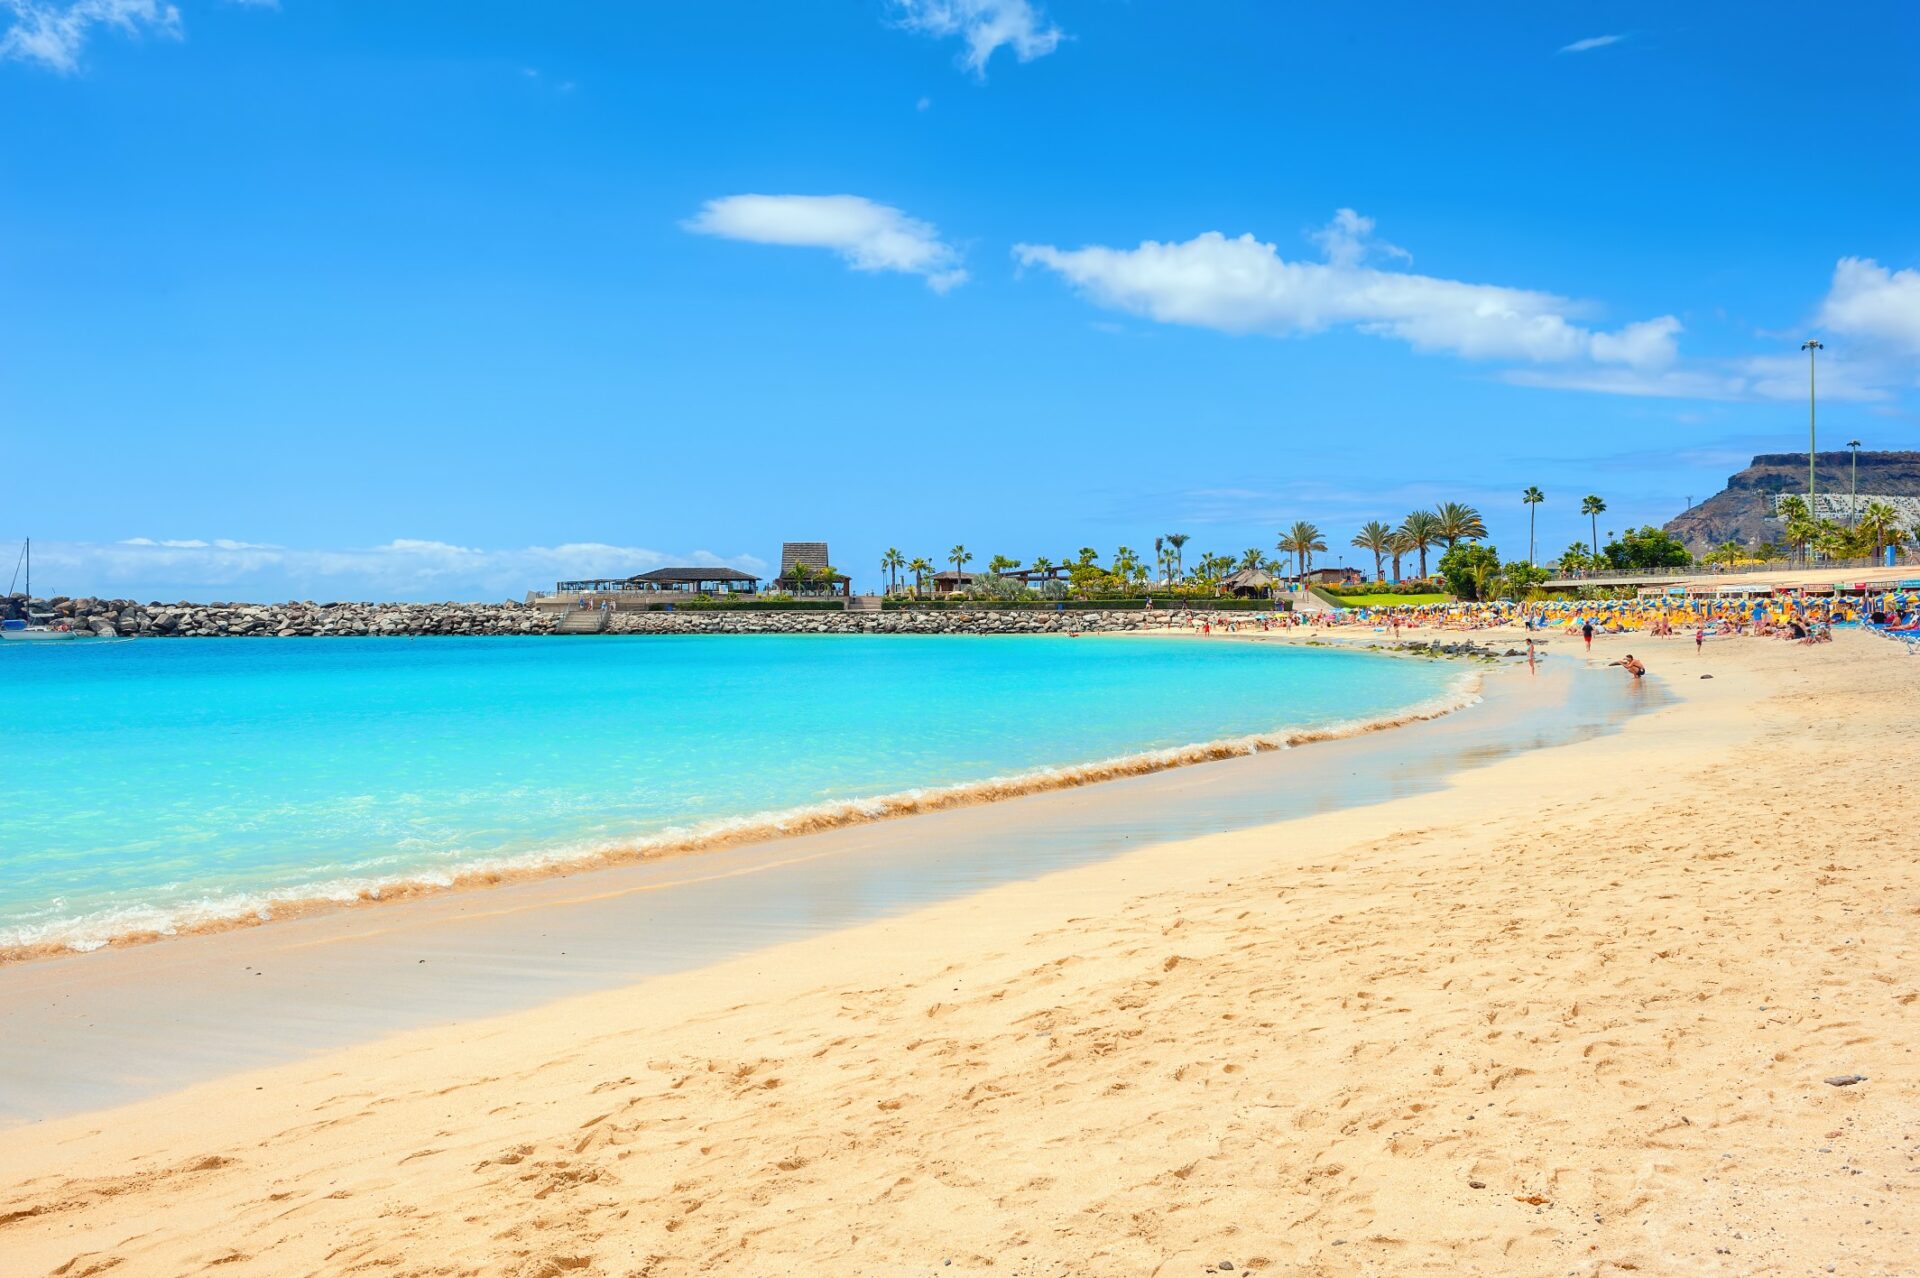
(1632, 667)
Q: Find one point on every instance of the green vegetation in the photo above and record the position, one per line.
(1647, 547)
(1469, 568)
(1474, 573)
(1409, 599)
(771, 602)
(1129, 579)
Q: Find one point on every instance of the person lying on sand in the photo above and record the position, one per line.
(1632, 667)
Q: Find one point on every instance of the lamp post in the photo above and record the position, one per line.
(1853, 498)
(1812, 348)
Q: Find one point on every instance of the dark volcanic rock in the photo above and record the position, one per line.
(1743, 511)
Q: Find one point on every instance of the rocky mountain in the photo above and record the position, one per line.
(1743, 510)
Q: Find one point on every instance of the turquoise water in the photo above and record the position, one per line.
(163, 784)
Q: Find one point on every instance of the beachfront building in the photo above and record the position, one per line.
(951, 581)
(806, 570)
(1038, 576)
(699, 581)
(1333, 577)
(692, 581)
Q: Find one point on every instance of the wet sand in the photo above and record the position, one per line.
(1572, 1010)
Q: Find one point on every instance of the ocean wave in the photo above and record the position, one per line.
(137, 924)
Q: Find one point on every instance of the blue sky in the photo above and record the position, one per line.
(430, 300)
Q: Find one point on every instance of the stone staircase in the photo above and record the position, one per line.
(863, 603)
(583, 621)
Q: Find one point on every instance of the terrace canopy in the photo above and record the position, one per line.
(707, 580)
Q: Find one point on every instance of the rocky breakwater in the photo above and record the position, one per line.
(125, 618)
(930, 622)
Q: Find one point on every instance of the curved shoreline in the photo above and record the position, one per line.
(241, 910)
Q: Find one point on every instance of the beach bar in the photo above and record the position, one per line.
(696, 581)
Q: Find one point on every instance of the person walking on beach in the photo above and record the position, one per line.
(1699, 639)
(1586, 632)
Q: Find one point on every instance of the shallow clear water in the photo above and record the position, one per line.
(165, 783)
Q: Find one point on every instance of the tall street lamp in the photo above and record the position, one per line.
(1853, 500)
(1812, 348)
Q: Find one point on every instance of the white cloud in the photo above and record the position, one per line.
(1591, 42)
(406, 568)
(985, 26)
(53, 33)
(1784, 377)
(1243, 285)
(1869, 302)
(1757, 377)
(1348, 240)
(1643, 344)
(868, 236)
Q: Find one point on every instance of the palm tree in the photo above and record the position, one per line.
(1000, 564)
(1880, 523)
(1251, 558)
(919, 567)
(1421, 529)
(1303, 539)
(1285, 545)
(959, 558)
(1592, 507)
(1179, 543)
(1042, 566)
(1399, 546)
(1531, 498)
(892, 562)
(801, 575)
(1487, 582)
(1458, 522)
(1378, 538)
(1728, 552)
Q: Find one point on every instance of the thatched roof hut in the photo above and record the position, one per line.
(1249, 583)
(803, 569)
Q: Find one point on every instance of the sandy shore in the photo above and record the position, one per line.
(1574, 1014)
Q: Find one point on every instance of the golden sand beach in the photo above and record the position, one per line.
(1645, 1003)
